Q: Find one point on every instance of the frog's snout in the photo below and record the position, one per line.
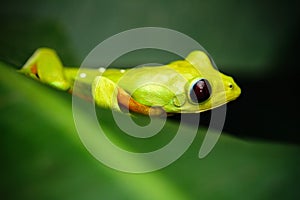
(234, 89)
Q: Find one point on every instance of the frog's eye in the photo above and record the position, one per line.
(200, 91)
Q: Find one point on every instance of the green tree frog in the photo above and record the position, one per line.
(191, 85)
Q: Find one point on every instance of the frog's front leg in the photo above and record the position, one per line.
(108, 94)
(45, 66)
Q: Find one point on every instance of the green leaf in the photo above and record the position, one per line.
(43, 158)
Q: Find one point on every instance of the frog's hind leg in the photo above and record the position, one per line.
(45, 66)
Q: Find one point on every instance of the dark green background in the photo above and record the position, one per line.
(257, 156)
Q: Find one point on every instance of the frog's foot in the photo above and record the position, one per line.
(107, 94)
(45, 66)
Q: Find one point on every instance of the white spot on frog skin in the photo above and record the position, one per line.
(82, 75)
(101, 69)
(122, 71)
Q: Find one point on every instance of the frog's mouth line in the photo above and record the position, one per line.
(225, 98)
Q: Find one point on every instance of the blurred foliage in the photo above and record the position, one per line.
(41, 154)
(42, 158)
(242, 36)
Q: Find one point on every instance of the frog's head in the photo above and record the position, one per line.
(208, 88)
(211, 91)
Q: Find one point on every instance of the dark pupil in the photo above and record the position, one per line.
(201, 91)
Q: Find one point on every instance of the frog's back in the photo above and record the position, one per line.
(114, 74)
